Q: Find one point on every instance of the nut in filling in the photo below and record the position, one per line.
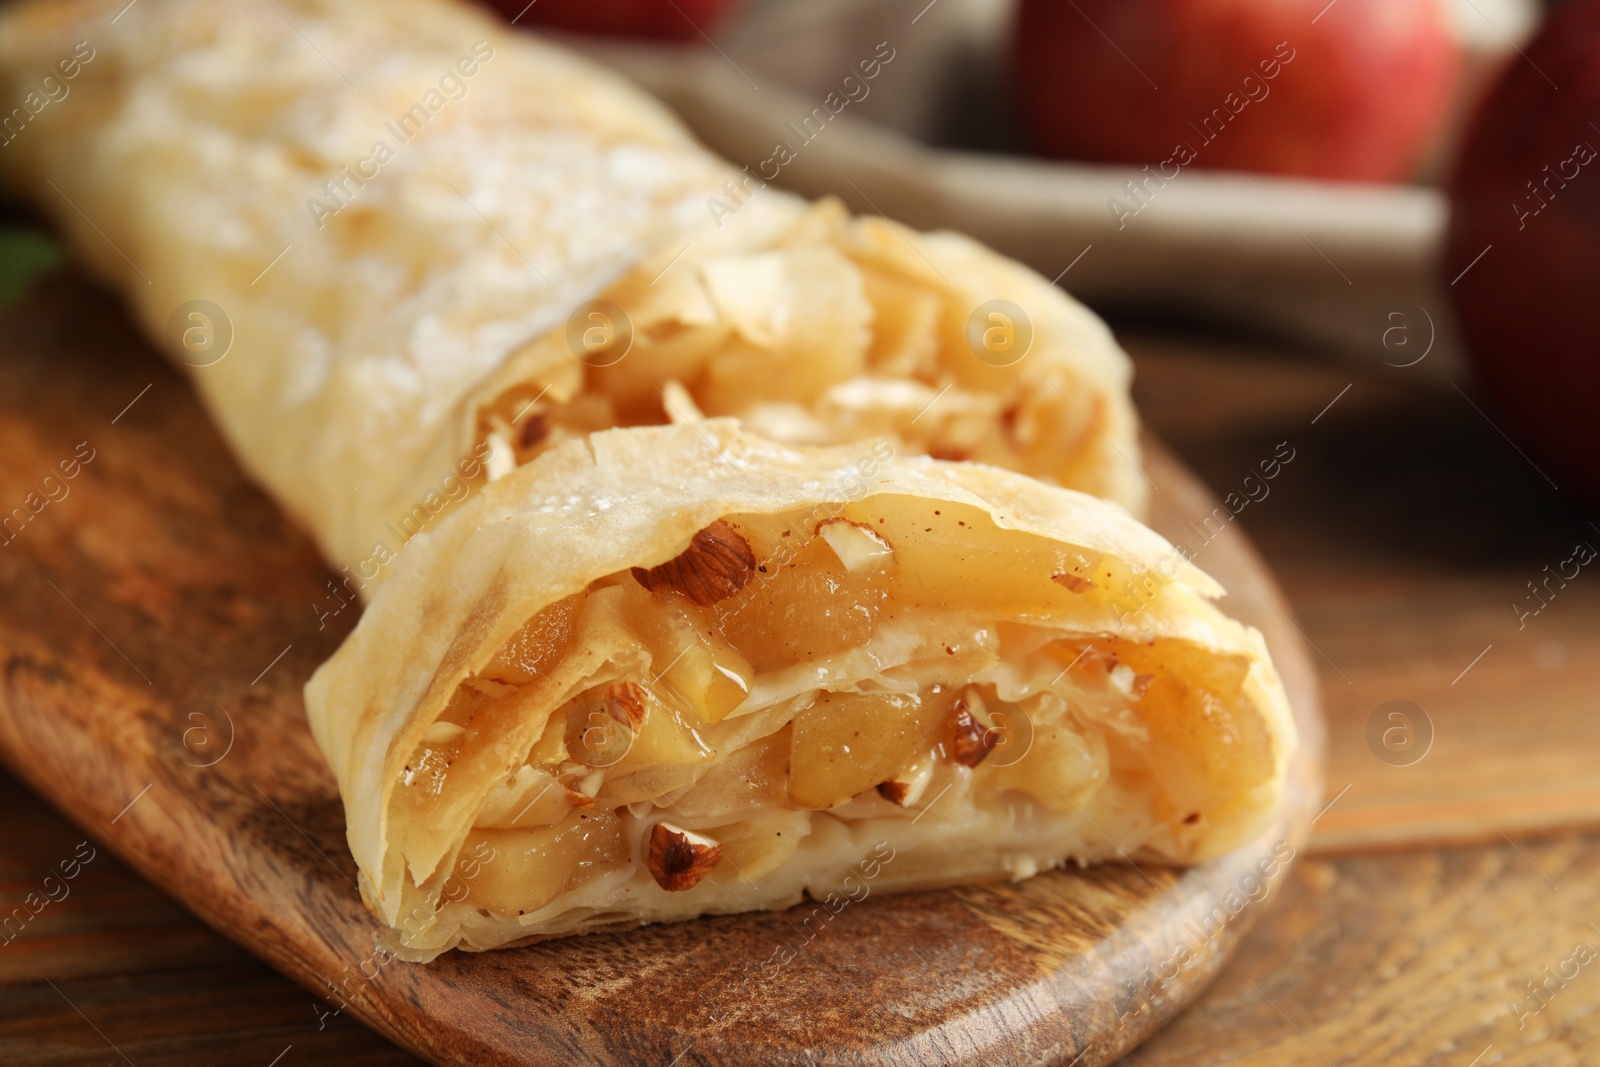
(791, 675)
(716, 565)
(679, 858)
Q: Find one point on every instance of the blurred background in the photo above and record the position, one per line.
(1021, 121)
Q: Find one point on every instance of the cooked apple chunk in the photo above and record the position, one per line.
(728, 705)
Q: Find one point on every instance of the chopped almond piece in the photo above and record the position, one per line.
(1129, 684)
(600, 732)
(717, 564)
(534, 431)
(502, 460)
(625, 702)
(578, 799)
(975, 736)
(679, 858)
(907, 787)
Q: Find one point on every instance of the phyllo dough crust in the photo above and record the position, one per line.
(665, 672)
(373, 232)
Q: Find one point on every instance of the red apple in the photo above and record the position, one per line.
(668, 20)
(1522, 257)
(1353, 89)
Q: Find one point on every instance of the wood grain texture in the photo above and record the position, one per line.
(157, 623)
(110, 968)
(1420, 959)
(1404, 532)
(1386, 960)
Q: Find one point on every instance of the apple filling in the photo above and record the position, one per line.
(736, 722)
(842, 332)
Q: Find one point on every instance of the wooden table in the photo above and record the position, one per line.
(1404, 530)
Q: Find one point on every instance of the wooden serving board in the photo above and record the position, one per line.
(158, 618)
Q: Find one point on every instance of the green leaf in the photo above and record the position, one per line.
(25, 255)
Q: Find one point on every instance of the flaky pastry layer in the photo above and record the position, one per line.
(373, 232)
(665, 672)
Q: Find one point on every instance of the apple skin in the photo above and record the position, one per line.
(662, 20)
(1530, 307)
(1364, 96)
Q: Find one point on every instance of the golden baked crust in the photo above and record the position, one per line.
(399, 315)
(954, 598)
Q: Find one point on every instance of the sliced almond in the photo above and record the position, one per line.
(975, 735)
(501, 460)
(679, 405)
(857, 546)
(1130, 684)
(679, 858)
(716, 565)
(442, 733)
(489, 687)
(1021, 867)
